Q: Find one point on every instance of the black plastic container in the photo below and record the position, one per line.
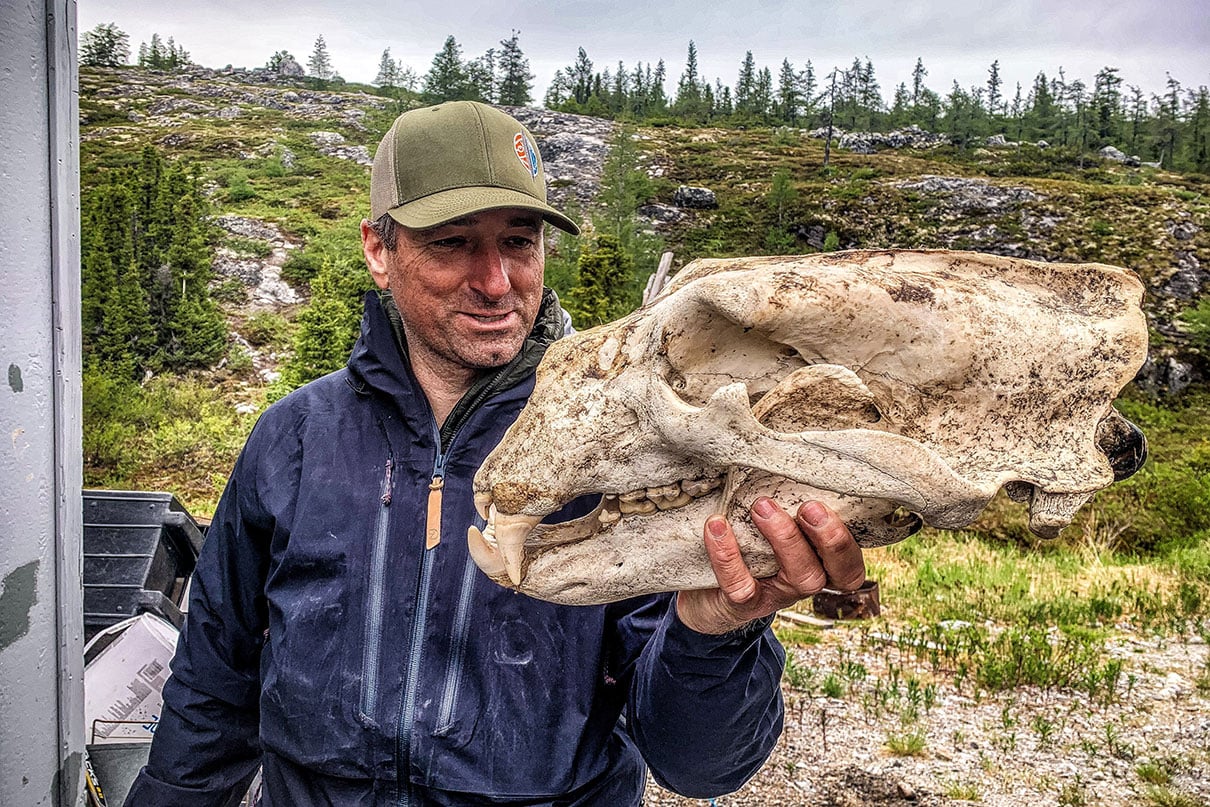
(139, 550)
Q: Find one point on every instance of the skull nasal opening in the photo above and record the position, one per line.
(1123, 443)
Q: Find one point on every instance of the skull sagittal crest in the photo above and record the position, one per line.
(899, 387)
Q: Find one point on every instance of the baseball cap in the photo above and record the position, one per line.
(440, 163)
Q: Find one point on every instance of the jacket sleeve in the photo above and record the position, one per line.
(705, 711)
(206, 747)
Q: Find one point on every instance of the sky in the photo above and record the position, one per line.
(956, 39)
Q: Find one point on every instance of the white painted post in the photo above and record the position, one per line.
(41, 556)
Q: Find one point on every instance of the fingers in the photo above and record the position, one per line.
(734, 579)
(834, 546)
(801, 567)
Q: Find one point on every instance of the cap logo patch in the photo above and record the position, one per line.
(525, 153)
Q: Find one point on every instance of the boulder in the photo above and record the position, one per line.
(660, 214)
(696, 198)
(1111, 153)
(1189, 278)
(289, 67)
(1166, 375)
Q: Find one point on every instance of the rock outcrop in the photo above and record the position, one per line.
(910, 137)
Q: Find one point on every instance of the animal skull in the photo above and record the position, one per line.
(899, 387)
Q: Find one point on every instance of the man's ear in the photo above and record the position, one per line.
(376, 254)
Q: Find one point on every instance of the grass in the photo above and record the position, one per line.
(1167, 797)
(910, 741)
(176, 434)
(961, 791)
(1202, 682)
(1154, 773)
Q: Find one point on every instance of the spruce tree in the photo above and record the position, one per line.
(194, 332)
(789, 97)
(688, 101)
(106, 45)
(328, 327)
(1107, 105)
(388, 71)
(581, 76)
(447, 79)
(126, 340)
(994, 97)
(745, 87)
(601, 293)
(515, 87)
(319, 66)
(481, 78)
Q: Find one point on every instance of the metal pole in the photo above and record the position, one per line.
(41, 561)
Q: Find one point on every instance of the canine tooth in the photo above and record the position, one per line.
(485, 557)
(511, 532)
(643, 507)
(680, 500)
(609, 516)
(634, 495)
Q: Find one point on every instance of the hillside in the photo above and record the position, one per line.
(1005, 670)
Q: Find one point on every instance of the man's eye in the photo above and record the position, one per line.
(520, 242)
(449, 243)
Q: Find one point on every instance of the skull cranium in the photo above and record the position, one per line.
(899, 387)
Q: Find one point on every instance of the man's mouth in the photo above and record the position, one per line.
(489, 319)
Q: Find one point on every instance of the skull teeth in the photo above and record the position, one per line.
(645, 501)
(499, 548)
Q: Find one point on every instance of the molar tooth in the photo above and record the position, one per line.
(700, 487)
(608, 516)
(643, 507)
(664, 492)
(634, 495)
(679, 500)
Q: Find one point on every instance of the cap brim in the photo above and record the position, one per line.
(438, 208)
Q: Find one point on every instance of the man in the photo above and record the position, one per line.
(359, 665)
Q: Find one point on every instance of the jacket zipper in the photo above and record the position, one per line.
(453, 669)
(374, 606)
(407, 714)
(444, 437)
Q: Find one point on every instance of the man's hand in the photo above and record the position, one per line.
(814, 550)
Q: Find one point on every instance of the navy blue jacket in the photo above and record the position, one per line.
(326, 644)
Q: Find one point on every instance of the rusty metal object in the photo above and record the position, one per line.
(860, 604)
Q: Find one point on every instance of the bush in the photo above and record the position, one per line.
(266, 328)
(1196, 322)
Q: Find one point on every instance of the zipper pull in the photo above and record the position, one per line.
(432, 529)
(386, 485)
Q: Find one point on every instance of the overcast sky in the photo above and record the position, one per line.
(957, 39)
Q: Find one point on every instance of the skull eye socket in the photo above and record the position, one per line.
(709, 351)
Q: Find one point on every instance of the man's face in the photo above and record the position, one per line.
(468, 291)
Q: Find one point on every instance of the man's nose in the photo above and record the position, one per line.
(490, 273)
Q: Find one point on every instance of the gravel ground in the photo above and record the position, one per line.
(1024, 748)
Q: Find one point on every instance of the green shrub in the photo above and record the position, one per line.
(266, 328)
(1196, 322)
(238, 189)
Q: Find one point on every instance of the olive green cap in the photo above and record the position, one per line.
(443, 162)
